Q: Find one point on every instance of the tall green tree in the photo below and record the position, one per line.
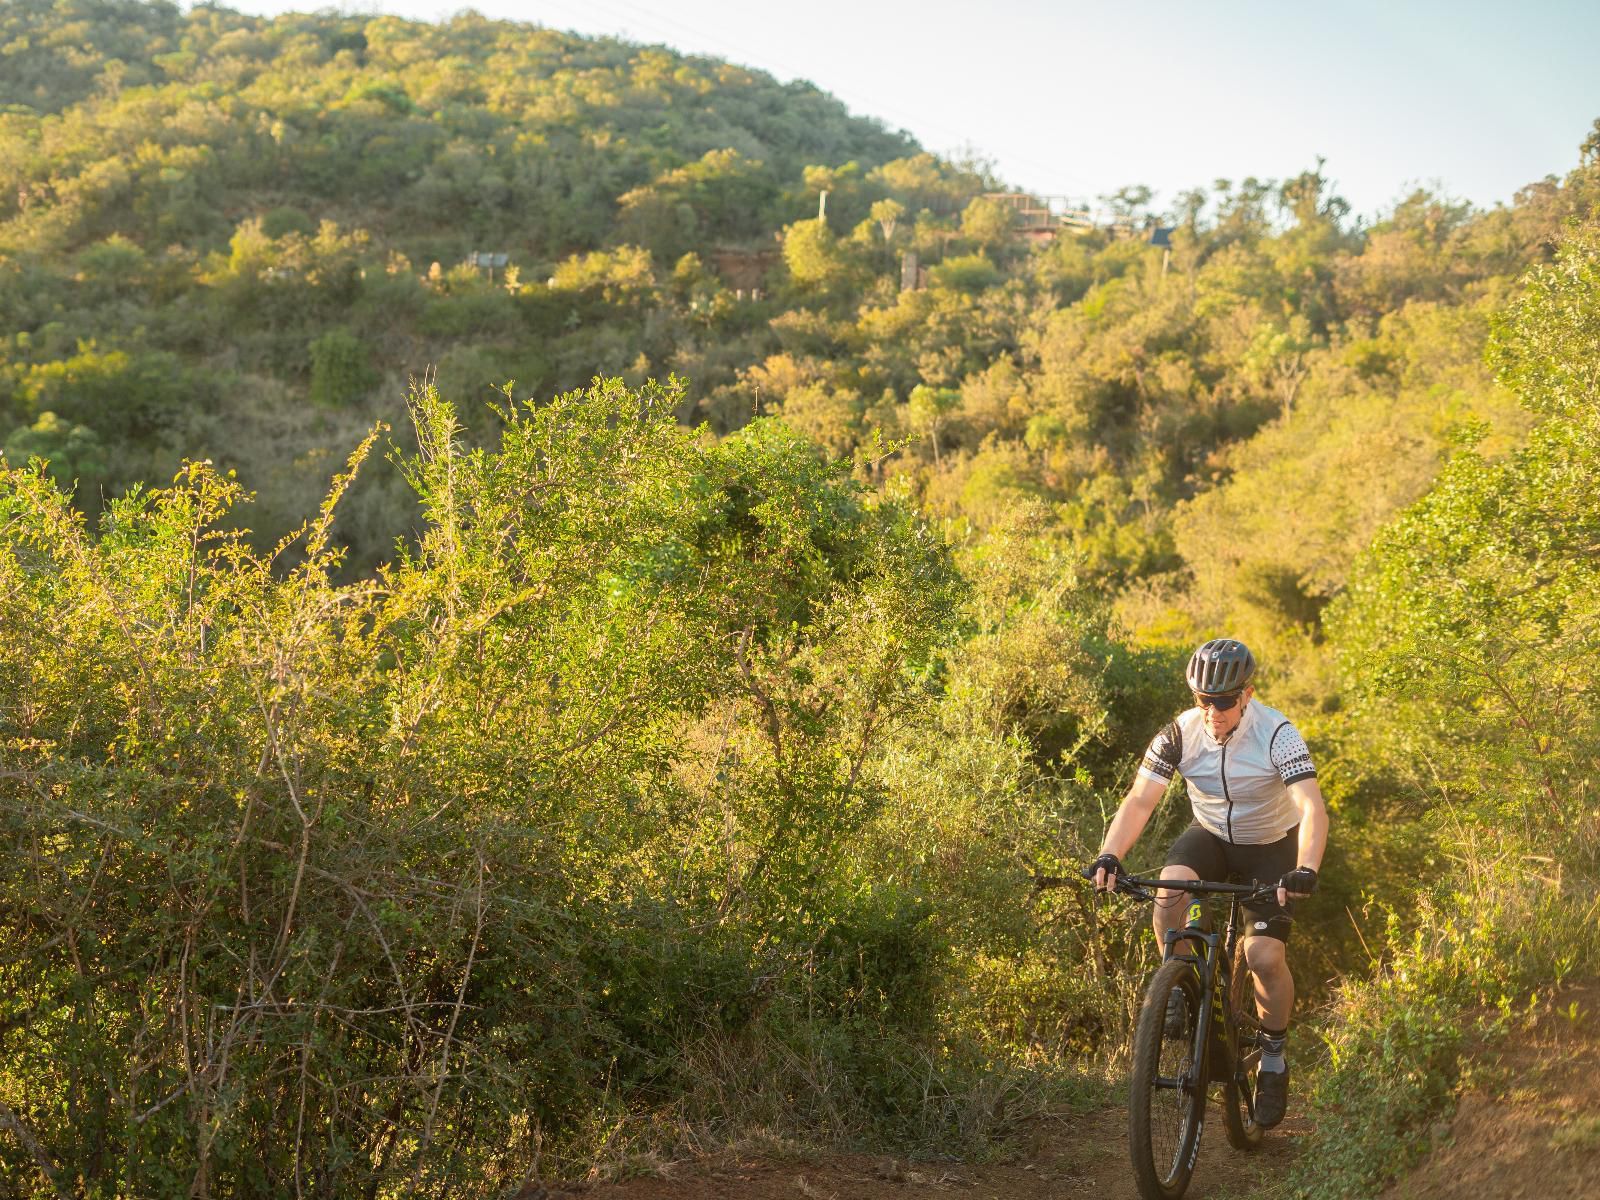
(1475, 621)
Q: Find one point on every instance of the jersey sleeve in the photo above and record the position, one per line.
(1290, 755)
(1165, 753)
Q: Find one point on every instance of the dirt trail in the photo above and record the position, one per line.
(1060, 1157)
(1528, 1127)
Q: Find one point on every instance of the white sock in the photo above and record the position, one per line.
(1272, 1055)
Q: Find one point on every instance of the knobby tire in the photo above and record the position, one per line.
(1164, 1124)
(1239, 1094)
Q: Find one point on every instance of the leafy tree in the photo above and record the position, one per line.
(966, 273)
(74, 456)
(929, 409)
(1128, 202)
(887, 214)
(115, 266)
(924, 182)
(1277, 356)
(816, 261)
(987, 222)
(722, 198)
(1475, 615)
(122, 396)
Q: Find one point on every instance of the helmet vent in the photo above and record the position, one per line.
(1219, 666)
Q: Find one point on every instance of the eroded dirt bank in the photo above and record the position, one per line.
(1528, 1125)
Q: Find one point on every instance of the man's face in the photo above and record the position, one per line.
(1222, 722)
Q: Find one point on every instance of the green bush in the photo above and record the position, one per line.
(341, 369)
(489, 840)
(965, 273)
(1401, 1043)
(287, 219)
(117, 393)
(76, 458)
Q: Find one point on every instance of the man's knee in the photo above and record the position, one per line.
(1171, 899)
(1266, 955)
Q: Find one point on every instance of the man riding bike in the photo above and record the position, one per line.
(1258, 815)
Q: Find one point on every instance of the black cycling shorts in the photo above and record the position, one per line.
(1219, 861)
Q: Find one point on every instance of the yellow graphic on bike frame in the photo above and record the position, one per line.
(1194, 912)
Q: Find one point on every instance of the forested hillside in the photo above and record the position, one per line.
(210, 220)
(238, 238)
(733, 612)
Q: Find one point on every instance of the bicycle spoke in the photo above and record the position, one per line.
(1169, 1108)
(1166, 1108)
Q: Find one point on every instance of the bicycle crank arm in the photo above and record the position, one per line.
(1183, 1083)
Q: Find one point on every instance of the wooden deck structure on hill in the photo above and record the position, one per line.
(744, 268)
(1043, 218)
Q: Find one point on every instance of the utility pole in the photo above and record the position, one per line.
(1161, 235)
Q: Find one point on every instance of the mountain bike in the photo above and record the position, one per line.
(1209, 1034)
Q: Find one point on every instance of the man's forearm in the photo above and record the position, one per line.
(1126, 826)
(1313, 841)
(1313, 827)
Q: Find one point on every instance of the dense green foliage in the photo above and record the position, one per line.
(230, 190)
(307, 881)
(608, 758)
(1468, 634)
(662, 769)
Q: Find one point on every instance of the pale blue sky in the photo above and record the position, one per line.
(1473, 97)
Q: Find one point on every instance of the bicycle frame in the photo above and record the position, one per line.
(1199, 966)
(1213, 1039)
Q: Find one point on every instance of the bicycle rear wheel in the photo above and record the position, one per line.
(1167, 1093)
(1239, 1091)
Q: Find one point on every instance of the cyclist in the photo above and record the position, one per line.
(1258, 814)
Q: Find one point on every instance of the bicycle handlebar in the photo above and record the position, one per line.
(1145, 889)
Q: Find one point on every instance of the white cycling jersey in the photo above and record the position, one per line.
(1239, 788)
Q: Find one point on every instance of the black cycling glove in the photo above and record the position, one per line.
(1301, 879)
(1109, 862)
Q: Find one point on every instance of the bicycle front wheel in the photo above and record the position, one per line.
(1167, 1094)
(1239, 1093)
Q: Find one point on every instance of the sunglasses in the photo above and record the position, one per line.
(1220, 703)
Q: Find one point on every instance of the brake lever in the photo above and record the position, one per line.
(1128, 888)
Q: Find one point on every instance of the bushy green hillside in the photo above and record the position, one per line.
(210, 219)
(640, 762)
(1468, 635)
(228, 236)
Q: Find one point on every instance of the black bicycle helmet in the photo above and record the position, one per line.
(1220, 666)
